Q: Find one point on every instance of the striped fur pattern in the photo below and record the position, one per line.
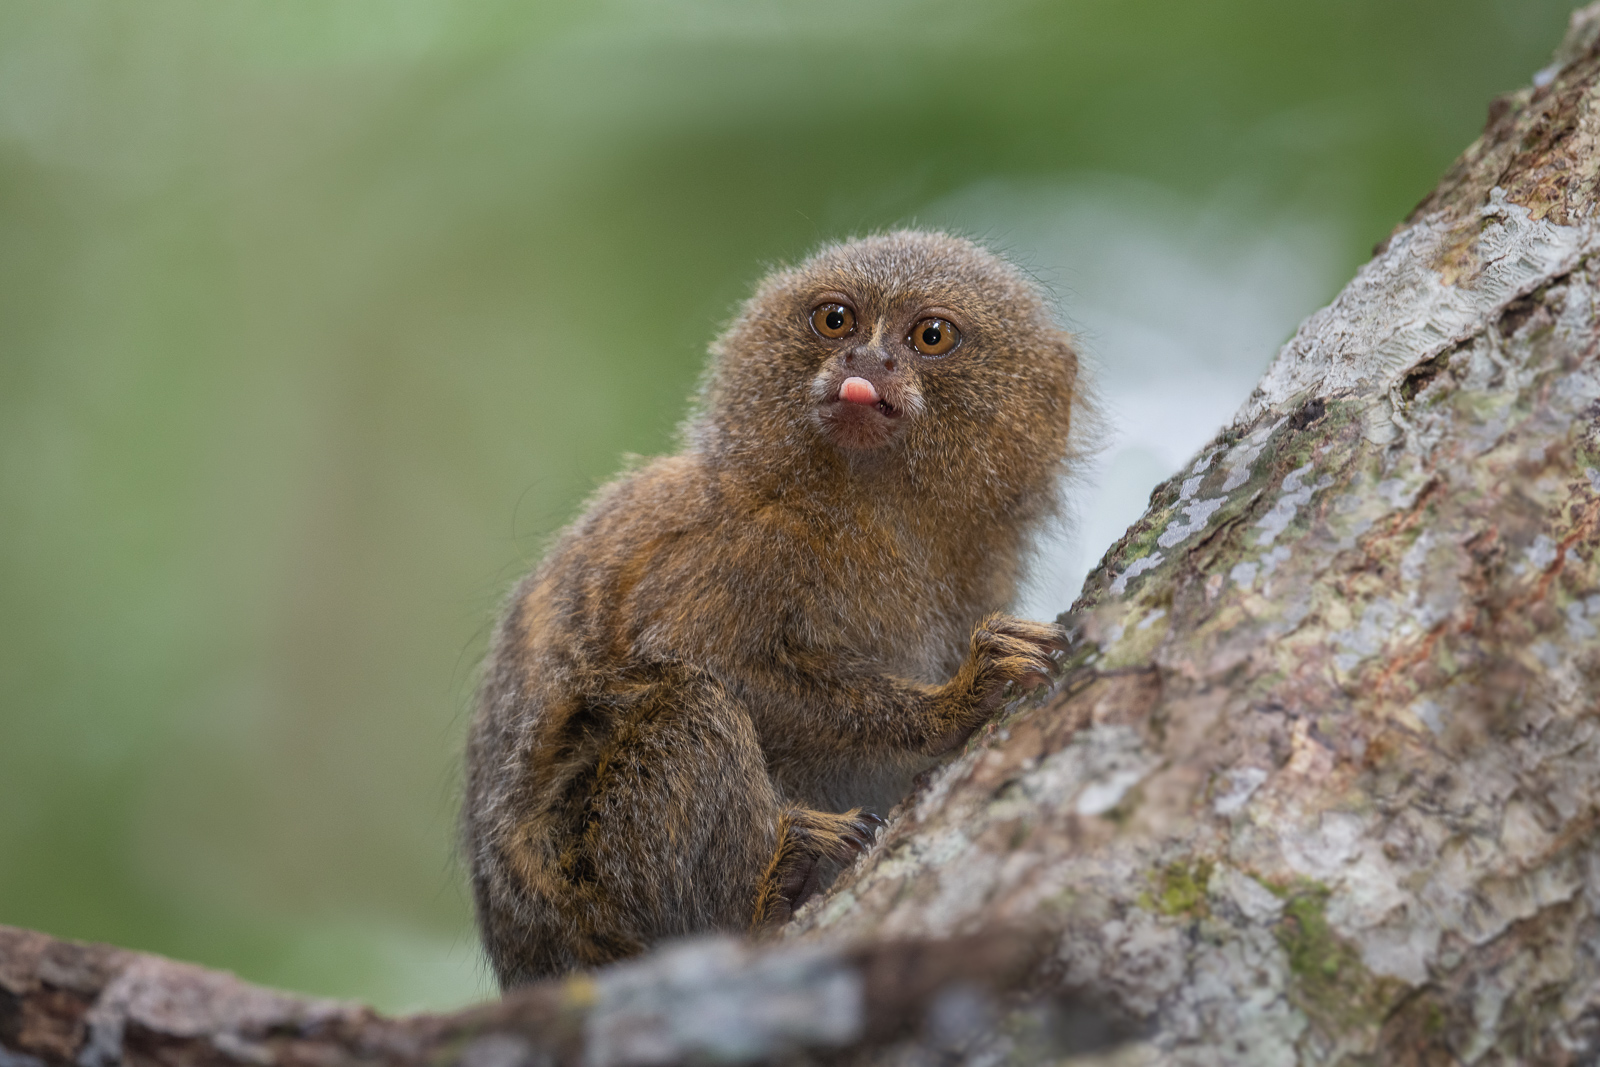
(739, 651)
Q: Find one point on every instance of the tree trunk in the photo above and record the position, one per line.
(1321, 783)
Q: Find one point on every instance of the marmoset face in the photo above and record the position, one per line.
(869, 384)
(904, 341)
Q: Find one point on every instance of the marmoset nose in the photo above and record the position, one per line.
(858, 357)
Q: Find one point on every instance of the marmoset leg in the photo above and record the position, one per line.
(650, 814)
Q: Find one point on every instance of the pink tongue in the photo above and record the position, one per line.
(858, 391)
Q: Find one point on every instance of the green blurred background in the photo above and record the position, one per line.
(318, 316)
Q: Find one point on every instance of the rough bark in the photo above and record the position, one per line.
(1321, 783)
(713, 1000)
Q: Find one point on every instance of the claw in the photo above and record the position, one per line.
(870, 817)
(855, 842)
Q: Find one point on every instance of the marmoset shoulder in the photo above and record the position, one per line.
(738, 653)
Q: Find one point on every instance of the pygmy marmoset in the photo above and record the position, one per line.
(739, 651)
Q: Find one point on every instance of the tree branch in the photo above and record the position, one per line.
(711, 1000)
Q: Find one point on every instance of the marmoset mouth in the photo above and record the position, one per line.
(835, 407)
(856, 413)
(882, 407)
(856, 391)
(860, 426)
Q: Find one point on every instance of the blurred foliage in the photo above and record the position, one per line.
(318, 316)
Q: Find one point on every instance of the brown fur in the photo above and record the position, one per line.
(740, 647)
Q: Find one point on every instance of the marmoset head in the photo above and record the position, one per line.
(914, 345)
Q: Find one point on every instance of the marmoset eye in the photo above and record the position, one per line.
(833, 320)
(934, 337)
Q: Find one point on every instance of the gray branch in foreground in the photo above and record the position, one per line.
(714, 1000)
